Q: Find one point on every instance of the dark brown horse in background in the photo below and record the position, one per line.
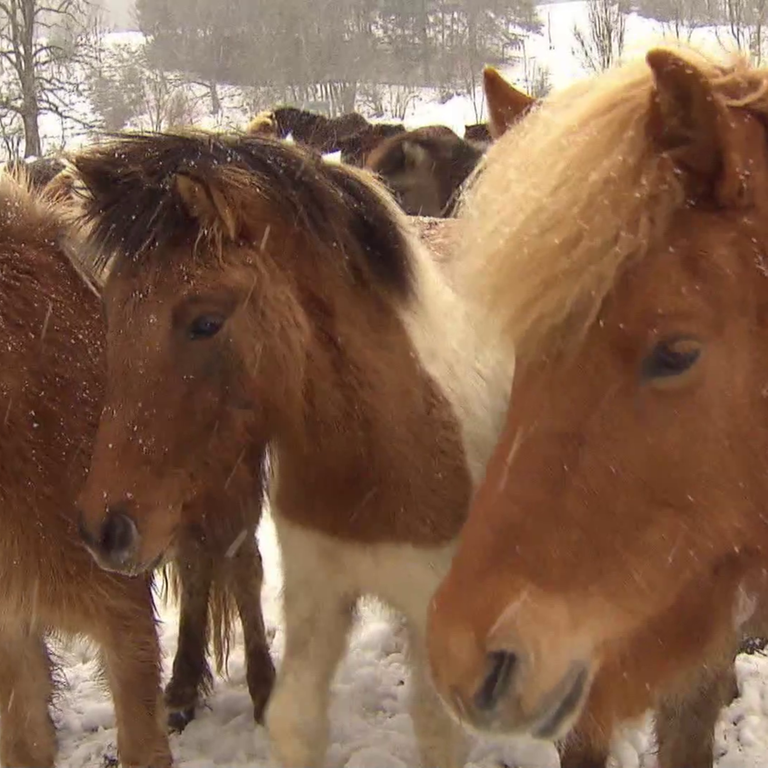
(478, 132)
(308, 128)
(425, 168)
(616, 551)
(38, 172)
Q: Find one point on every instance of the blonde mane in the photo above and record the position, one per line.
(571, 196)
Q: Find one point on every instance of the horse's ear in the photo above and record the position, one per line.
(506, 105)
(208, 205)
(686, 119)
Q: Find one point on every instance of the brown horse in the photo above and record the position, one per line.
(506, 104)
(215, 572)
(309, 128)
(479, 132)
(428, 168)
(50, 389)
(276, 298)
(618, 540)
(425, 168)
(356, 147)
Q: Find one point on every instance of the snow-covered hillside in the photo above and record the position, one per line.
(553, 48)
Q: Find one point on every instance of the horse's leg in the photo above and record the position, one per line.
(685, 722)
(442, 742)
(27, 735)
(191, 677)
(245, 578)
(318, 616)
(131, 656)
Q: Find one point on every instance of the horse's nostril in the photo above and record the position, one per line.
(500, 668)
(118, 533)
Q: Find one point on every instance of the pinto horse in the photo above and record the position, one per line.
(616, 546)
(214, 570)
(274, 298)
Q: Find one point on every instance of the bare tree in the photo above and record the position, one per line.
(601, 45)
(41, 43)
(684, 19)
(536, 78)
(745, 23)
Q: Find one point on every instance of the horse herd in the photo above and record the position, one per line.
(538, 431)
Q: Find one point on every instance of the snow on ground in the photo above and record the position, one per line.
(371, 727)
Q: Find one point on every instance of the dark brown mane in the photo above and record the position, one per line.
(134, 207)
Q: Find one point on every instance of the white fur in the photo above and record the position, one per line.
(323, 576)
(473, 372)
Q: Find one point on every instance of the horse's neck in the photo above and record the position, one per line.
(471, 371)
(378, 454)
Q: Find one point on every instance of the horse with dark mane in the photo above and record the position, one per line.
(309, 128)
(425, 168)
(356, 147)
(617, 545)
(216, 569)
(276, 299)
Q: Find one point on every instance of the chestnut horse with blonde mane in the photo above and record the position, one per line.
(275, 298)
(615, 550)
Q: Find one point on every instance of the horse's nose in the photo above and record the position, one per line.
(500, 669)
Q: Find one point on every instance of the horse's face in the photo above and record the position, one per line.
(622, 508)
(627, 476)
(409, 169)
(181, 404)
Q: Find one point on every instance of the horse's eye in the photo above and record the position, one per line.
(671, 358)
(205, 327)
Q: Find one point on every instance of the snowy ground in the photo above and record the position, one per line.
(370, 724)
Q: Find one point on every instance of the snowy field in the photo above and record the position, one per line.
(371, 727)
(370, 724)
